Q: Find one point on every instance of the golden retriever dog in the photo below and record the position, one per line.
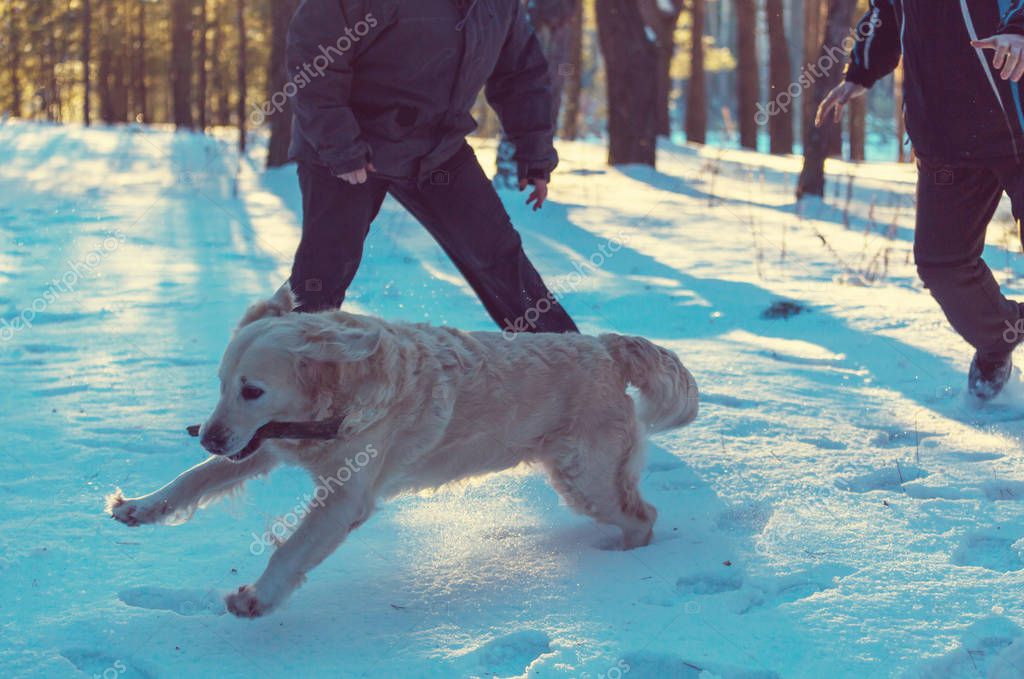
(420, 407)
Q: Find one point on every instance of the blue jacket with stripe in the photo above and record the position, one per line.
(958, 109)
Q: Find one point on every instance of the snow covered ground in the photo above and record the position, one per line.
(839, 509)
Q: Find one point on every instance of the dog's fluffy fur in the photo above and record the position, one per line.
(422, 407)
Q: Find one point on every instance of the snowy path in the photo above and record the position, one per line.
(837, 510)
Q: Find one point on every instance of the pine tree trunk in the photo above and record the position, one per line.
(812, 178)
(747, 77)
(812, 42)
(14, 63)
(631, 71)
(574, 81)
(280, 120)
(86, 61)
(201, 94)
(243, 93)
(119, 89)
(696, 123)
(901, 122)
(663, 25)
(139, 66)
(222, 105)
(780, 121)
(858, 128)
(106, 65)
(181, 62)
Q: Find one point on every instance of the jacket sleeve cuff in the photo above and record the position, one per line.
(350, 163)
(1012, 28)
(859, 76)
(527, 171)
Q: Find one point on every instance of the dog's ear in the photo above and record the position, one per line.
(283, 302)
(321, 356)
(338, 344)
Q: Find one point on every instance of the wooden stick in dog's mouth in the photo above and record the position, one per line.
(317, 430)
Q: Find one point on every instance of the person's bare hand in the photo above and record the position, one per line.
(1009, 58)
(358, 176)
(539, 193)
(836, 101)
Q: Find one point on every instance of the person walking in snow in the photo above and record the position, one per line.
(963, 62)
(382, 92)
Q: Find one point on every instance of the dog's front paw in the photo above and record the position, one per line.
(132, 512)
(246, 603)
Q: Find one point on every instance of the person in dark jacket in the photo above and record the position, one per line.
(382, 92)
(963, 62)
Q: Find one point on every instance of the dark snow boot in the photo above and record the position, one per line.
(989, 375)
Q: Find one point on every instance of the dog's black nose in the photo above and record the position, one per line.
(213, 440)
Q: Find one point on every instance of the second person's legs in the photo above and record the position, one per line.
(954, 207)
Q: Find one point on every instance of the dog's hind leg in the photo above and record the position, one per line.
(601, 482)
(196, 487)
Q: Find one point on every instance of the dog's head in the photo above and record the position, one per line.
(285, 367)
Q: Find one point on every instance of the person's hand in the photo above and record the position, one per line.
(836, 101)
(1009, 49)
(357, 176)
(539, 193)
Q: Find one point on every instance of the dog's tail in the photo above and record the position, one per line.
(668, 392)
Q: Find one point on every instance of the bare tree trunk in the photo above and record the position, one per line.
(631, 71)
(748, 82)
(901, 123)
(107, 112)
(780, 121)
(812, 41)
(119, 85)
(280, 120)
(181, 62)
(87, 61)
(222, 105)
(201, 95)
(243, 93)
(54, 57)
(139, 78)
(663, 25)
(574, 83)
(696, 123)
(858, 128)
(812, 178)
(14, 58)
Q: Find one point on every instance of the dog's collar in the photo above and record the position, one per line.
(317, 429)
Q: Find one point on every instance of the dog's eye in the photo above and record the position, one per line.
(251, 393)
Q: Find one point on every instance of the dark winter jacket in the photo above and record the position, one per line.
(957, 108)
(393, 82)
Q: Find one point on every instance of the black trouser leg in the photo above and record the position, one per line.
(954, 208)
(464, 214)
(336, 217)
